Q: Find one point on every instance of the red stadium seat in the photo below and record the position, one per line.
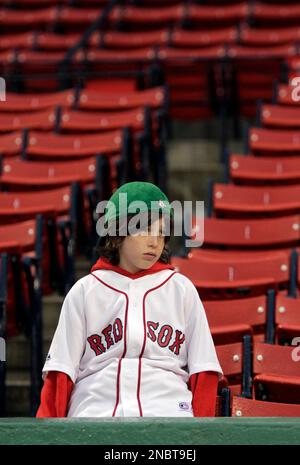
(242, 407)
(130, 40)
(246, 52)
(11, 19)
(78, 17)
(11, 144)
(192, 39)
(263, 37)
(40, 120)
(252, 234)
(276, 373)
(55, 42)
(60, 147)
(243, 202)
(266, 15)
(280, 117)
(269, 142)
(170, 54)
(225, 276)
(88, 121)
(26, 205)
(287, 319)
(35, 102)
(115, 61)
(252, 170)
(224, 15)
(138, 17)
(91, 100)
(23, 40)
(28, 175)
(230, 320)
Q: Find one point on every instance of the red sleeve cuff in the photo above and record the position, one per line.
(55, 395)
(204, 387)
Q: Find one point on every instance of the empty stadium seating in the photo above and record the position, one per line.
(91, 86)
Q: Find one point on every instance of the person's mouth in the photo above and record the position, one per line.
(149, 255)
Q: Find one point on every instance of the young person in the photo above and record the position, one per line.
(132, 338)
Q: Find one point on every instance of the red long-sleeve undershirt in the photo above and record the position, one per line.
(58, 387)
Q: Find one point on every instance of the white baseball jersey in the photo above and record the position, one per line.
(130, 345)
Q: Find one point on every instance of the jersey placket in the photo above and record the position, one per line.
(130, 370)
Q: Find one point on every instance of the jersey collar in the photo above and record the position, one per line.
(104, 264)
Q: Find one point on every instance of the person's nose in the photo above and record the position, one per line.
(153, 241)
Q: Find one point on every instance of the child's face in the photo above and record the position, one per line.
(140, 251)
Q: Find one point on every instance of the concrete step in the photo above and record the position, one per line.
(18, 393)
(51, 310)
(18, 351)
(187, 154)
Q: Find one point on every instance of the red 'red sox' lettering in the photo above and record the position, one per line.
(164, 336)
(112, 334)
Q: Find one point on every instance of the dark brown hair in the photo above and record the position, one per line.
(108, 246)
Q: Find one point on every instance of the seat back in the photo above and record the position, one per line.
(242, 407)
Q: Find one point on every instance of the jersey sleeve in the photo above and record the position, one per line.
(68, 342)
(200, 346)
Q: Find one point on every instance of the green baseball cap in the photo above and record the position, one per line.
(136, 197)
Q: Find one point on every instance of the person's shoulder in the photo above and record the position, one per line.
(182, 278)
(82, 285)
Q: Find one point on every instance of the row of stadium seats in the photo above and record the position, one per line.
(244, 35)
(63, 18)
(194, 14)
(85, 99)
(189, 14)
